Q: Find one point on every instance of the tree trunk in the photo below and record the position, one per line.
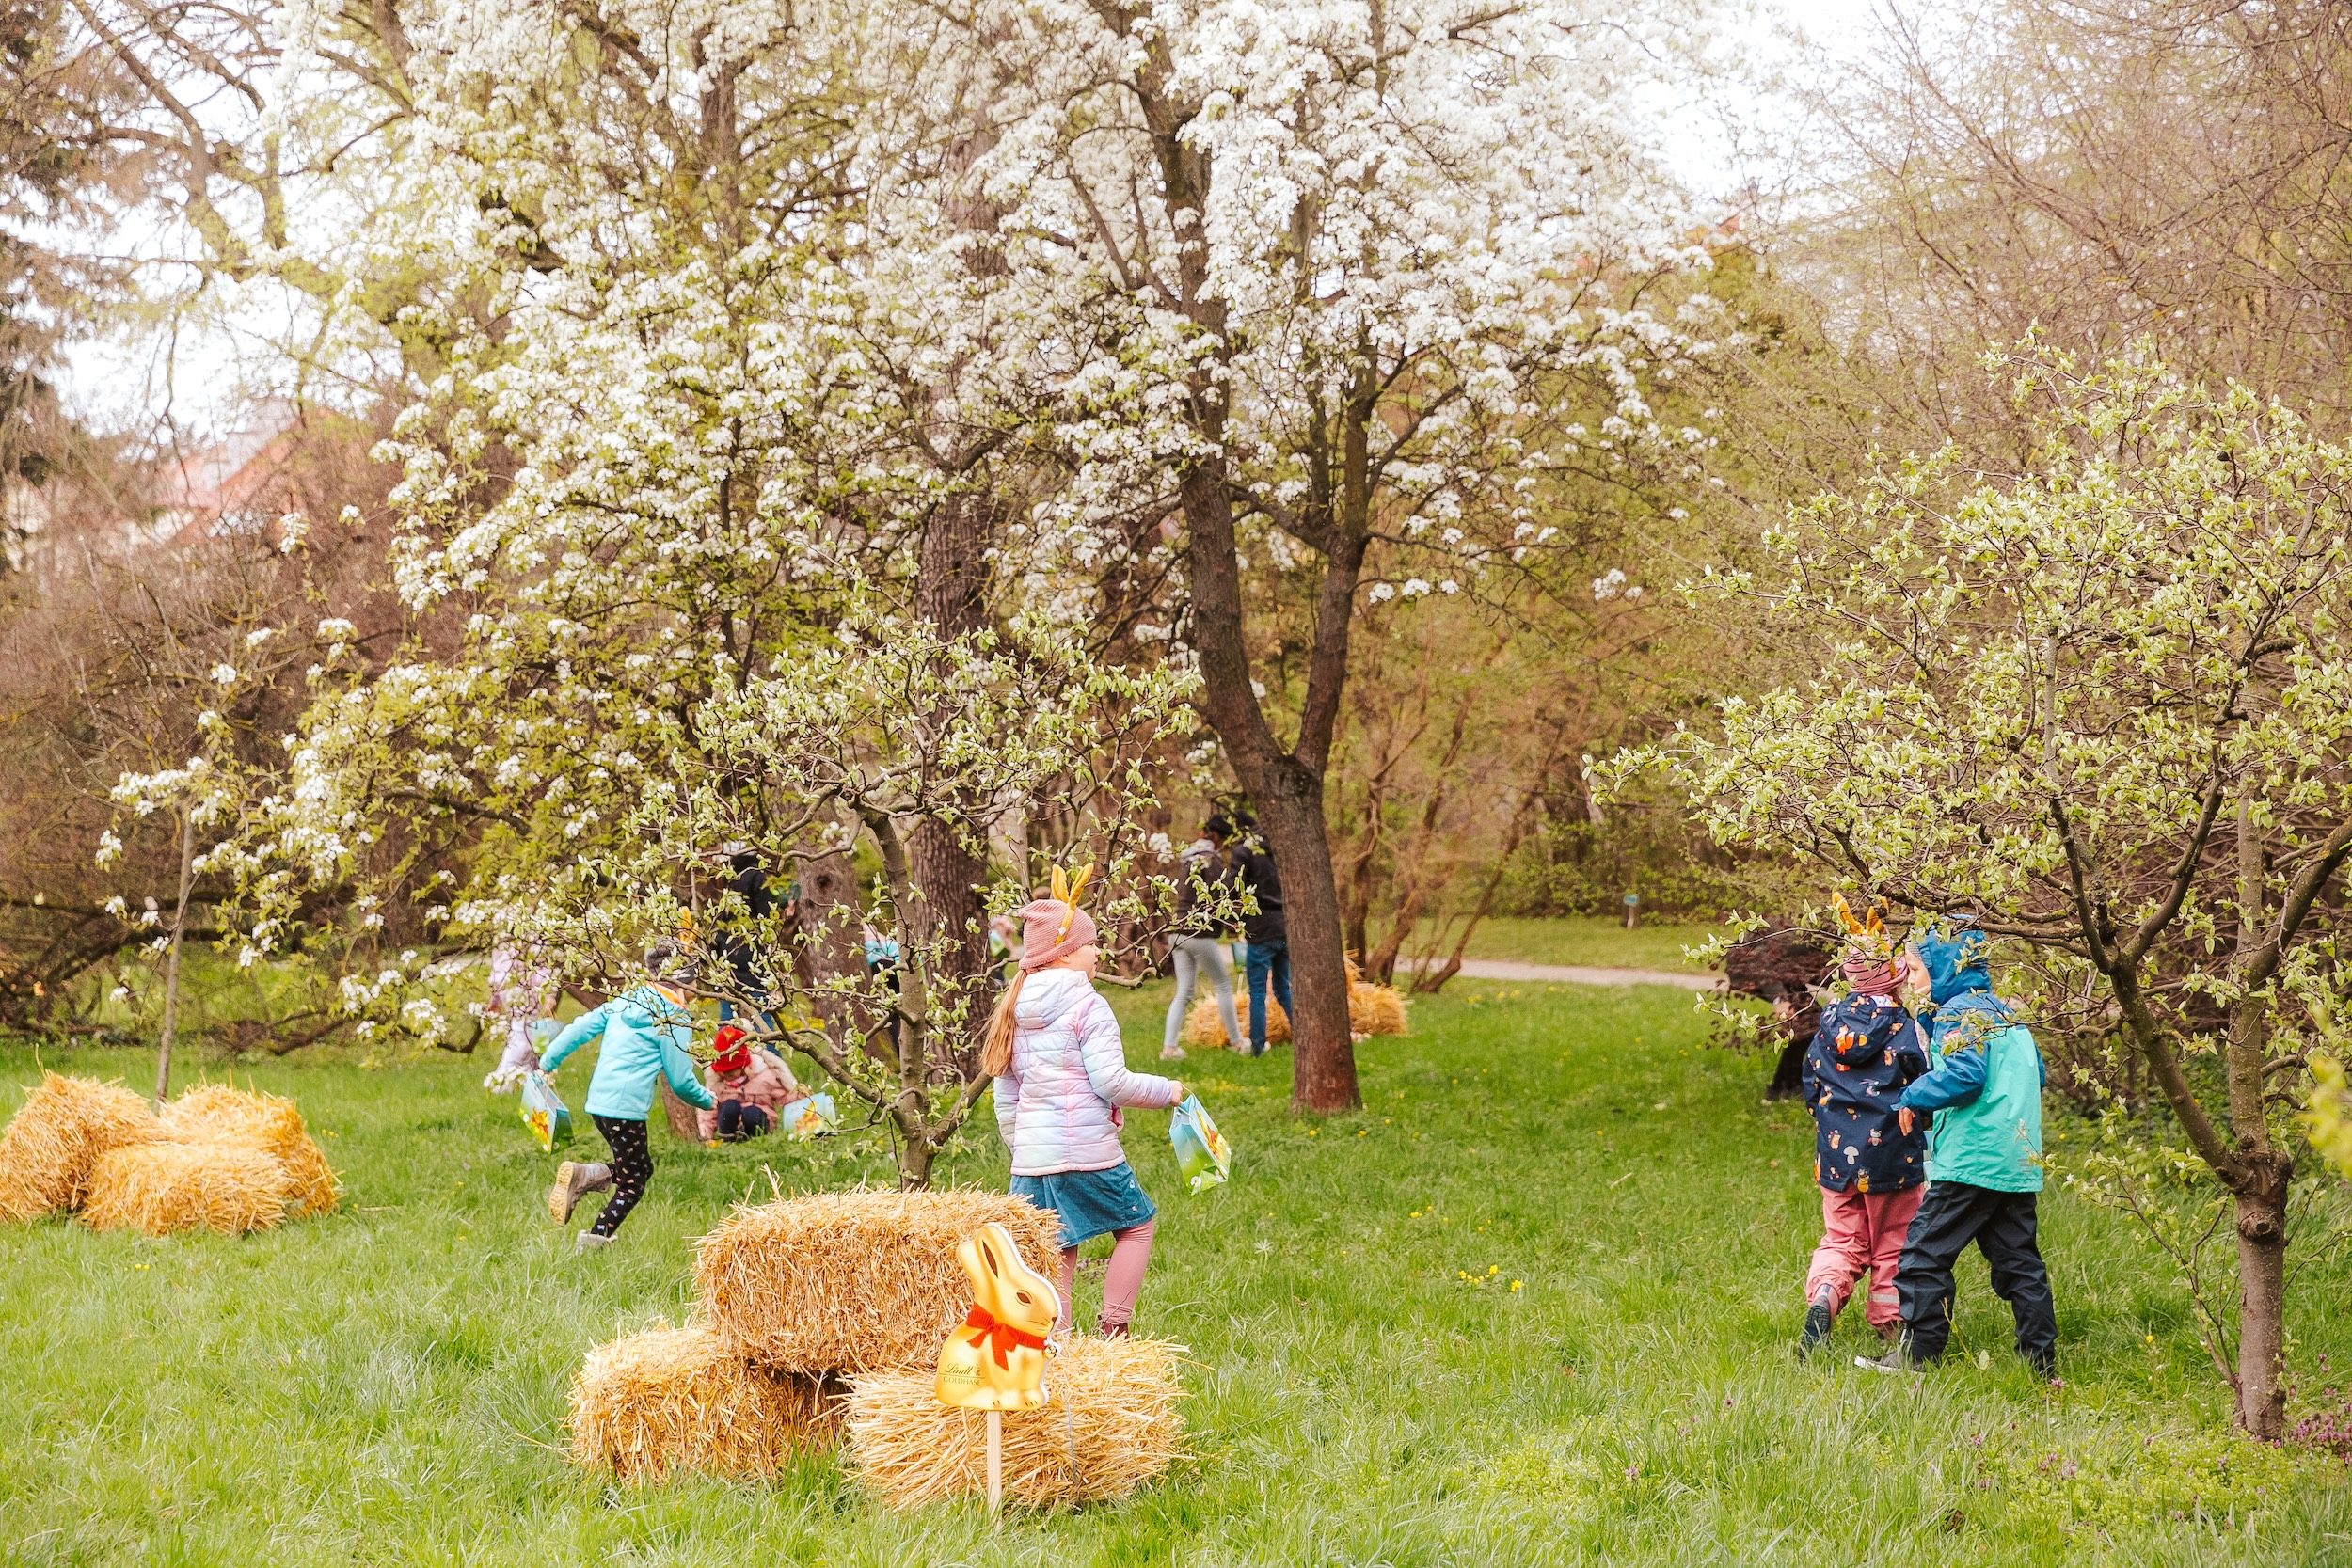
(949, 917)
(915, 1157)
(171, 959)
(830, 957)
(2262, 1257)
(1290, 813)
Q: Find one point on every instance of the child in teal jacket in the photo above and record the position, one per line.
(1984, 1159)
(647, 1032)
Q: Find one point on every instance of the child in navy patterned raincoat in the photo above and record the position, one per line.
(1869, 1169)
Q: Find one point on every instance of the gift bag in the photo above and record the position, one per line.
(1201, 1154)
(804, 1119)
(544, 1112)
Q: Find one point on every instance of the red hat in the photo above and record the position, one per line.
(733, 1047)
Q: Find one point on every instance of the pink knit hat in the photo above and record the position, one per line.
(1051, 930)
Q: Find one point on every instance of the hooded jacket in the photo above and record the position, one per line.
(1866, 1050)
(1986, 1087)
(1057, 1109)
(646, 1034)
(765, 1081)
(1254, 869)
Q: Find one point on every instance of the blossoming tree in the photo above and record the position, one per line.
(2101, 705)
(674, 522)
(1316, 278)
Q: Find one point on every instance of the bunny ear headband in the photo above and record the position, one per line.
(1867, 936)
(1067, 892)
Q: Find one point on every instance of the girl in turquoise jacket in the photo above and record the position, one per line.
(646, 1033)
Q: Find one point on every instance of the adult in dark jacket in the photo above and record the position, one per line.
(1870, 1168)
(1268, 957)
(747, 880)
(1196, 943)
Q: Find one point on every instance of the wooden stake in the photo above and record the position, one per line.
(171, 961)
(995, 1460)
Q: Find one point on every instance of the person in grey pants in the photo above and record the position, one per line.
(1196, 950)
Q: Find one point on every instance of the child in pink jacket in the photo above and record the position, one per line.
(753, 1087)
(1062, 1077)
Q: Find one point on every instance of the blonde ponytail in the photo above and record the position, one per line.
(996, 1044)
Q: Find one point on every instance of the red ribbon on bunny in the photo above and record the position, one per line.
(1001, 1337)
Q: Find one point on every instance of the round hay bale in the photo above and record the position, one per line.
(164, 1188)
(854, 1281)
(1109, 1427)
(668, 1400)
(223, 1114)
(1375, 1010)
(1204, 1025)
(57, 1136)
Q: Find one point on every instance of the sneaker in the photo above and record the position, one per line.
(574, 1178)
(1171, 1053)
(1899, 1357)
(588, 1241)
(1114, 1331)
(1817, 1319)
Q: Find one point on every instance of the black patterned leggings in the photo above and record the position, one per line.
(632, 1167)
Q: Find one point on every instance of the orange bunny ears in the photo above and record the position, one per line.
(1867, 936)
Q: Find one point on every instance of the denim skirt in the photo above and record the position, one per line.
(1090, 1202)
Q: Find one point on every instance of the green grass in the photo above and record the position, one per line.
(388, 1386)
(1588, 940)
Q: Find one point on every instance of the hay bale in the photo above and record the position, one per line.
(1372, 1010)
(855, 1281)
(1110, 1426)
(223, 1114)
(1375, 1010)
(53, 1142)
(670, 1400)
(1204, 1023)
(164, 1188)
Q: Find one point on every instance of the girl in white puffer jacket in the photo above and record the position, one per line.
(1062, 1077)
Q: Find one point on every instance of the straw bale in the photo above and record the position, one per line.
(1204, 1024)
(1109, 1427)
(53, 1140)
(223, 1114)
(854, 1281)
(1372, 1010)
(1375, 1010)
(164, 1188)
(666, 1399)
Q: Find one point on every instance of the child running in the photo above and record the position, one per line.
(645, 1033)
(1061, 1075)
(1869, 1167)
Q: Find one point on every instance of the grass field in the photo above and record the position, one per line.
(1587, 940)
(1533, 1306)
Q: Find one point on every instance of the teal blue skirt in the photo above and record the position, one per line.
(1092, 1203)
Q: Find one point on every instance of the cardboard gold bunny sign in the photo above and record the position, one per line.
(996, 1358)
(994, 1361)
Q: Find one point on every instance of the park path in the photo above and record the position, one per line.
(1582, 975)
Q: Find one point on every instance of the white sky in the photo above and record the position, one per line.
(200, 378)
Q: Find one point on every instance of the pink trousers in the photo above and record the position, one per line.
(1862, 1233)
(1122, 1277)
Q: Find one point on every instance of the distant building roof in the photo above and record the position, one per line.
(221, 487)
